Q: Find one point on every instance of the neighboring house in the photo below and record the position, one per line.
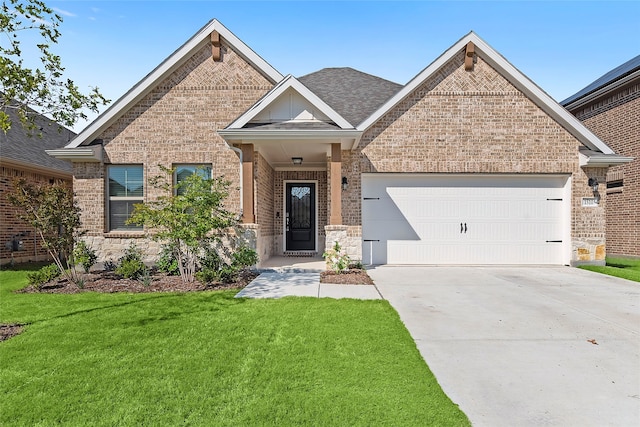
(22, 155)
(610, 108)
(468, 163)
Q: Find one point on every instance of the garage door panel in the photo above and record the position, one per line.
(416, 219)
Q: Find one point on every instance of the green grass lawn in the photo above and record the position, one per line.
(619, 267)
(210, 359)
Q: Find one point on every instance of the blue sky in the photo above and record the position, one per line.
(560, 45)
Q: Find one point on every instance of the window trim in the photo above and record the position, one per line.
(109, 199)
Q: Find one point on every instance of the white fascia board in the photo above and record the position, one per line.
(169, 65)
(290, 82)
(251, 134)
(603, 160)
(504, 67)
(91, 154)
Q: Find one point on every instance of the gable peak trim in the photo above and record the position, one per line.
(508, 71)
(290, 82)
(169, 65)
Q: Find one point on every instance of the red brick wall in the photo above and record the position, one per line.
(616, 120)
(11, 225)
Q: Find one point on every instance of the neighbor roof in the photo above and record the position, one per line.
(353, 94)
(28, 150)
(618, 73)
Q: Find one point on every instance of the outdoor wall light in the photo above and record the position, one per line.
(296, 160)
(593, 183)
(345, 183)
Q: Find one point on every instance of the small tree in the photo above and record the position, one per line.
(43, 88)
(51, 210)
(187, 219)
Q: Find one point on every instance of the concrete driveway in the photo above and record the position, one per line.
(525, 346)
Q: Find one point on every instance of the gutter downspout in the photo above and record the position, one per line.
(239, 151)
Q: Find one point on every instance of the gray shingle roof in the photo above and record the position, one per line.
(610, 77)
(351, 93)
(18, 145)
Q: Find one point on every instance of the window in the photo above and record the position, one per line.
(184, 171)
(126, 188)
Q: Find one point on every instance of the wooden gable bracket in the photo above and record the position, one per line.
(468, 57)
(215, 49)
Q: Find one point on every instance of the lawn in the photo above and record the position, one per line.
(206, 358)
(619, 267)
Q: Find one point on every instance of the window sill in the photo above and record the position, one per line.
(124, 235)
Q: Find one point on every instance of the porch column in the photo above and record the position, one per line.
(248, 215)
(335, 217)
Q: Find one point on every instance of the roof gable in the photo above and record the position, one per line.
(169, 65)
(290, 101)
(511, 74)
(352, 93)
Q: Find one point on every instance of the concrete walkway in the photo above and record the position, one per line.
(525, 346)
(300, 277)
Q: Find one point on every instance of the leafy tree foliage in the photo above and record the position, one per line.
(187, 219)
(52, 211)
(43, 88)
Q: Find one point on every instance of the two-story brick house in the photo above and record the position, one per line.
(610, 108)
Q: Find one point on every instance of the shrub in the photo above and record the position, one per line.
(167, 262)
(244, 257)
(131, 265)
(45, 274)
(337, 260)
(84, 256)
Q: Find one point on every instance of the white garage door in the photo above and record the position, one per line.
(465, 219)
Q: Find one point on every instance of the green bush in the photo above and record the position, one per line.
(130, 265)
(44, 275)
(84, 256)
(167, 262)
(244, 257)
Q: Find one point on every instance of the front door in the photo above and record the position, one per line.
(300, 216)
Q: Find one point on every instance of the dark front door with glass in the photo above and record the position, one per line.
(300, 217)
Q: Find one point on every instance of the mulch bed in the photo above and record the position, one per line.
(350, 277)
(109, 282)
(8, 331)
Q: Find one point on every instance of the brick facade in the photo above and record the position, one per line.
(13, 228)
(615, 118)
(175, 123)
(474, 122)
(457, 121)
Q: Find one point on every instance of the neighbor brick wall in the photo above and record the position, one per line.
(615, 119)
(11, 225)
(175, 123)
(470, 122)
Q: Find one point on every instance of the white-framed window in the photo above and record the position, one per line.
(126, 188)
(184, 170)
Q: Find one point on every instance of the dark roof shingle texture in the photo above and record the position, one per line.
(18, 145)
(610, 77)
(351, 93)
